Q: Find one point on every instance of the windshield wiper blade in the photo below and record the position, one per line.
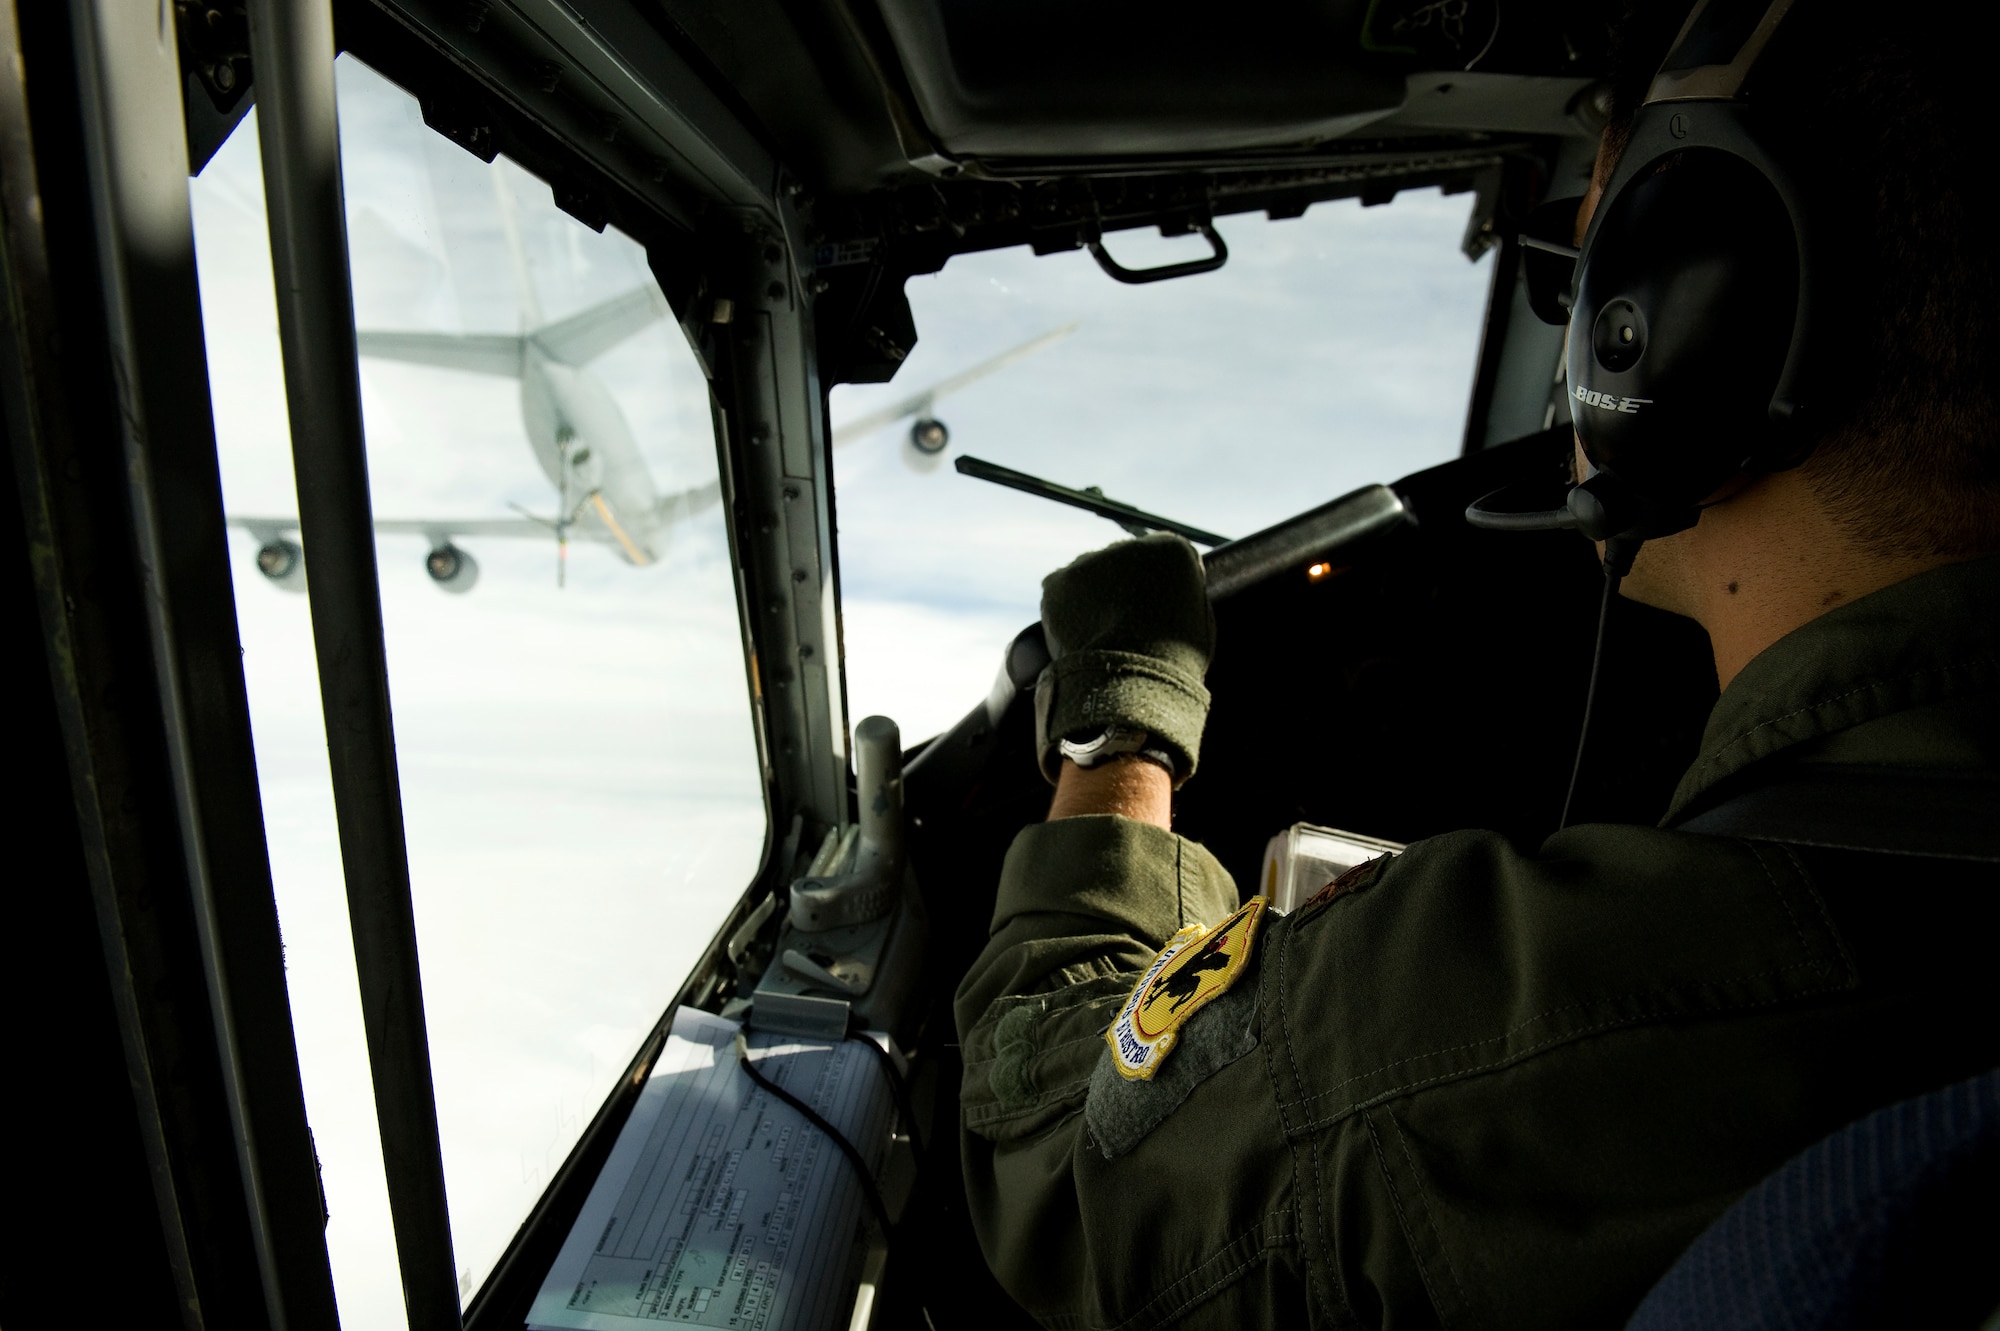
(1134, 520)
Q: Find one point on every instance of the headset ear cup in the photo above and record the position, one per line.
(1685, 313)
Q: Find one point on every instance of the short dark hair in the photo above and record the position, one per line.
(1875, 117)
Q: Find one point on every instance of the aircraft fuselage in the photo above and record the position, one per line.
(585, 447)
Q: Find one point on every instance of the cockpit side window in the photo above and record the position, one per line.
(581, 783)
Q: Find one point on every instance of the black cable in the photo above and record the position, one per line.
(899, 1089)
(1615, 565)
(869, 1192)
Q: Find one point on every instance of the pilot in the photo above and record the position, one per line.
(1487, 1084)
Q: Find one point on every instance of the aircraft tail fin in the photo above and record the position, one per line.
(480, 353)
(584, 337)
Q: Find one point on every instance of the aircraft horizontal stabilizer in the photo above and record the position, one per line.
(584, 337)
(479, 353)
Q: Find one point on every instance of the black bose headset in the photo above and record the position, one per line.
(1693, 304)
(1694, 309)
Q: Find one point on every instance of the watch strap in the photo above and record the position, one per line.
(1117, 742)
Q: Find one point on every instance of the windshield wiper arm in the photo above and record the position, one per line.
(1134, 520)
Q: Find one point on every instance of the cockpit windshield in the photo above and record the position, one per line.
(1331, 351)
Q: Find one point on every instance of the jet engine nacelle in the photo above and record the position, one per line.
(927, 444)
(284, 563)
(452, 569)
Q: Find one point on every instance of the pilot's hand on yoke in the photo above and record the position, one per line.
(1119, 709)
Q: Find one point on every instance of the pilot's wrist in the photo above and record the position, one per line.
(1126, 785)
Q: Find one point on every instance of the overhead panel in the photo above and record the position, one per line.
(1051, 78)
(604, 80)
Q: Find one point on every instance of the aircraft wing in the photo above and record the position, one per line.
(265, 529)
(437, 529)
(480, 353)
(584, 337)
(686, 503)
(917, 403)
(523, 525)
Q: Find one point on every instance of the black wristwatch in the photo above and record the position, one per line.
(1117, 742)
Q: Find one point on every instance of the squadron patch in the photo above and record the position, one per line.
(1196, 966)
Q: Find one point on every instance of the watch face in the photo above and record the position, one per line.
(1114, 742)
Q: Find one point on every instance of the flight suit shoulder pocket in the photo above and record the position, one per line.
(1120, 1111)
(1028, 1061)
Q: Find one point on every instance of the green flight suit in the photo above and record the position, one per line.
(1484, 1086)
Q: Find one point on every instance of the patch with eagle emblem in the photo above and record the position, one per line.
(1196, 966)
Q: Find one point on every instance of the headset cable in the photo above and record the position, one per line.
(1619, 552)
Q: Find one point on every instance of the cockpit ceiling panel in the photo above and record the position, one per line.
(1058, 78)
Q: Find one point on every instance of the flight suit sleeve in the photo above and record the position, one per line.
(1084, 898)
(1084, 906)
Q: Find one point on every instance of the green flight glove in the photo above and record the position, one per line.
(1129, 633)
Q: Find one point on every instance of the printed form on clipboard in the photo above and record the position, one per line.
(720, 1205)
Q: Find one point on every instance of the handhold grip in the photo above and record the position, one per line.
(1135, 276)
(866, 889)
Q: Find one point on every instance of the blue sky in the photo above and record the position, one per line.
(578, 768)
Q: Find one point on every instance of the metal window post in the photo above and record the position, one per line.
(104, 384)
(292, 53)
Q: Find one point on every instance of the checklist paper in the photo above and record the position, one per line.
(720, 1206)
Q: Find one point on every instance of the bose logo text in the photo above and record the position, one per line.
(1590, 397)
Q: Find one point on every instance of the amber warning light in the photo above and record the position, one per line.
(1321, 571)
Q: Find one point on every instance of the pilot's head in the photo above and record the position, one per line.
(1874, 108)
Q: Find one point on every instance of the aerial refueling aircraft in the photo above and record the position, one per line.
(605, 492)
